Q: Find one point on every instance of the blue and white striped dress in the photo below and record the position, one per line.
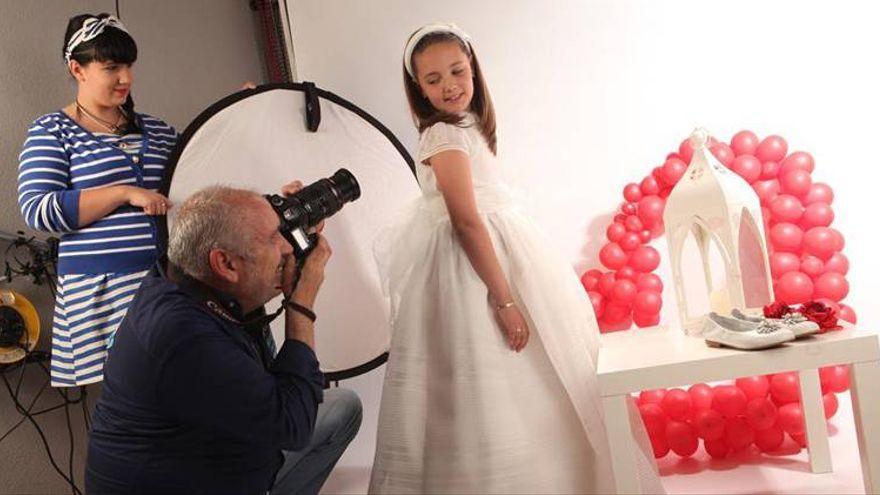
(100, 266)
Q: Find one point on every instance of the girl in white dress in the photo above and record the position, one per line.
(491, 385)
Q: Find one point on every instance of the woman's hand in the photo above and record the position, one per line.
(152, 202)
(514, 326)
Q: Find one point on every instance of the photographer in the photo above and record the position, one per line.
(194, 400)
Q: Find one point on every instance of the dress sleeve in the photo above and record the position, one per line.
(44, 196)
(442, 137)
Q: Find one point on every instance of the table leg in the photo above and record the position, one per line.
(866, 409)
(816, 424)
(623, 456)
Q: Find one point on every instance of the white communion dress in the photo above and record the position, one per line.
(461, 412)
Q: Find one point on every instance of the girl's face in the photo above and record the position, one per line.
(445, 76)
(105, 83)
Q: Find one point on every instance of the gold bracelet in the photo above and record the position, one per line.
(506, 305)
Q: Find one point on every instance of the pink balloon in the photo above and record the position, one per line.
(673, 170)
(624, 291)
(730, 401)
(784, 388)
(781, 263)
(632, 192)
(786, 237)
(755, 387)
(839, 243)
(770, 439)
(723, 153)
(650, 209)
(629, 241)
(628, 208)
(613, 256)
(644, 259)
(676, 404)
(772, 149)
(701, 396)
(626, 272)
(817, 215)
(812, 266)
(769, 170)
(796, 182)
(606, 284)
(649, 281)
(834, 379)
(718, 449)
(646, 320)
(819, 192)
(767, 190)
(760, 413)
(744, 143)
(837, 263)
(829, 404)
(649, 186)
(615, 231)
(748, 167)
(738, 434)
(633, 224)
(598, 302)
(832, 285)
(799, 160)
(685, 150)
(647, 303)
(791, 418)
(709, 424)
(847, 314)
(786, 208)
(681, 438)
(794, 288)
(820, 242)
(653, 396)
(590, 282)
(654, 418)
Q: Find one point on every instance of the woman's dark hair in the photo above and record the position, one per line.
(112, 45)
(426, 115)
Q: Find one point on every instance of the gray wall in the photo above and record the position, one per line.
(192, 52)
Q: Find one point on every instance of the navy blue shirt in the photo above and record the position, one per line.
(188, 404)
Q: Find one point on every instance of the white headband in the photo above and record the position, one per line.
(431, 29)
(91, 29)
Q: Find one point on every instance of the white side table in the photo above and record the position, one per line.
(659, 357)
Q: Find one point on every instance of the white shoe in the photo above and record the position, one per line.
(800, 325)
(720, 330)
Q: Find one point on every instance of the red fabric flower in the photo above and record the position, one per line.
(819, 313)
(776, 309)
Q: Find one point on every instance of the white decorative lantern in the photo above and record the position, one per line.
(716, 205)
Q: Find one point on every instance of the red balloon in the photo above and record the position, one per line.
(799, 160)
(817, 215)
(654, 418)
(832, 285)
(748, 167)
(787, 237)
(791, 418)
(718, 449)
(676, 404)
(760, 413)
(613, 256)
(781, 263)
(794, 288)
(620, 218)
(649, 281)
(625, 273)
(589, 281)
(701, 396)
(650, 209)
(660, 447)
(628, 208)
(839, 242)
(738, 434)
(837, 263)
(847, 313)
(657, 174)
(755, 387)
(645, 236)
(829, 404)
(784, 388)
(615, 231)
(772, 149)
(769, 170)
(629, 241)
(652, 396)
(632, 192)
(644, 259)
(685, 150)
(633, 224)
(649, 186)
(673, 170)
(799, 438)
(647, 302)
(624, 291)
(646, 320)
(744, 143)
(812, 266)
(616, 313)
(681, 438)
(598, 303)
(767, 190)
(820, 242)
(730, 401)
(819, 192)
(786, 208)
(834, 379)
(723, 153)
(709, 424)
(606, 283)
(796, 182)
(769, 439)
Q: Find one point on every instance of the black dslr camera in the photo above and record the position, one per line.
(310, 205)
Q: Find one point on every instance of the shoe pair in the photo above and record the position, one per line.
(800, 325)
(755, 332)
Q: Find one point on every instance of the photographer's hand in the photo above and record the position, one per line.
(292, 188)
(298, 326)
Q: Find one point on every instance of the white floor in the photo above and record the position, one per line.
(749, 472)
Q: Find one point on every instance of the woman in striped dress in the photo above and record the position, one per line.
(90, 172)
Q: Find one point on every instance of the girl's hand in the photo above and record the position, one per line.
(152, 202)
(514, 326)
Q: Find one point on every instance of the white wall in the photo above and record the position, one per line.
(591, 95)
